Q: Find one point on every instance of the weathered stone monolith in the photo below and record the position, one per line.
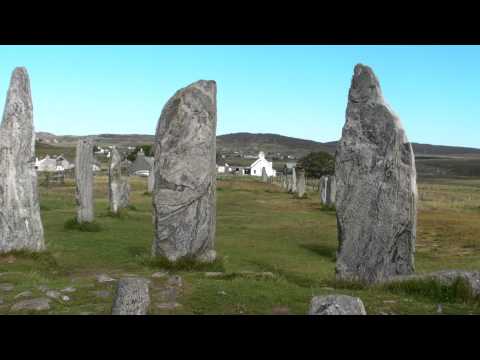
(132, 297)
(293, 185)
(330, 191)
(327, 190)
(301, 183)
(118, 186)
(20, 223)
(185, 175)
(150, 181)
(284, 181)
(84, 180)
(376, 188)
(264, 175)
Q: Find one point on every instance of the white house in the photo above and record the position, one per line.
(261, 162)
(52, 164)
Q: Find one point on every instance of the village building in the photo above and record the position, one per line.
(53, 164)
(142, 164)
(255, 169)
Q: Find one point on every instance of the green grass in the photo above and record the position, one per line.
(260, 228)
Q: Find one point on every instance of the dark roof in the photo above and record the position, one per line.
(142, 162)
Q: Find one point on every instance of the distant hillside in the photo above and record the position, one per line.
(432, 160)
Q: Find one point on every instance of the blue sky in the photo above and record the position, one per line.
(298, 91)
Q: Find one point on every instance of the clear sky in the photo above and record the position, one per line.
(298, 91)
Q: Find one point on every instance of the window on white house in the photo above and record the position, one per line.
(254, 171)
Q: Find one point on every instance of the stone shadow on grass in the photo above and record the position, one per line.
(326, 251)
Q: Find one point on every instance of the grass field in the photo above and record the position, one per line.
(260, 229)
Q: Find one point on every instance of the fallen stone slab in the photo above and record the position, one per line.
(160, 274)
(6, 287)
(262, 274)
(169, 306)
(214, 274)
(175, 280)
(445, 277)
(168, 294)
(53, 294)
(23, 294)
(336, 305)
(103, 278)
(40, 304)
(69, 289)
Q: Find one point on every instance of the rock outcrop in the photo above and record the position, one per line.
(376, 188)
(185, 175)
(20, 223)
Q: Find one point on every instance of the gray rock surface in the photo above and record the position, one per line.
(23, 294)
(293, 185)
(301, 183)
(40, 304)
(102, 278)
(447, 277)
(175, 280)
(118, 186)
(151, 181)
(184, 198)
(328, 190)
(6, 287)
(376, 188)
(336, 305)
(264, 175)
(84, 180)
(20, 223)
(159, 274)
(132, 297)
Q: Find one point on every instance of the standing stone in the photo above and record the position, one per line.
(376, 188)
(284, 181)
(293, 186)
(323, 189)
(327, 190)
(151, 181)
(264, 175)
(118, 186)
(301, 183)
(330, 191)
(20, 223)
(132, 297)
(185, 175)
(84, 180)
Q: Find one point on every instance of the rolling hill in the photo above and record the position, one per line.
(432, 160)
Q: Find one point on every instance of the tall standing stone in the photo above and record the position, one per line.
(330, 191)
(327, 190)
(84, 180)
(118, 186)
(301, 183)
(376, 187)
(293, 186)
(185, 174)
(264, 175)
(150, 181)
(20, 223)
